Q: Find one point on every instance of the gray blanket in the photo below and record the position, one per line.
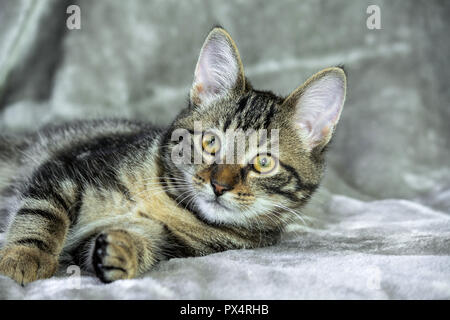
(379, 228)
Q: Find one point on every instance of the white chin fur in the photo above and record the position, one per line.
(216, 213)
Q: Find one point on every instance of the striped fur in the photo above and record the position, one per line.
(106, 194)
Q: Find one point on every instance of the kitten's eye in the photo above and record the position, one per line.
(210, 143)
(264, 163)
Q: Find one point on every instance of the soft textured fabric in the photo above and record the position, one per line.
(387, 249)
(380, 226)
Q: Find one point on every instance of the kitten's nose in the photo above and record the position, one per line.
(219, 189)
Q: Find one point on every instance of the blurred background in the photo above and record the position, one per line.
(135, 59)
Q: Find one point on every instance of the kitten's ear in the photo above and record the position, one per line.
(219, 69)
(317, 106)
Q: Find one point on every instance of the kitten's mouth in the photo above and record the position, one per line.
(217, 203)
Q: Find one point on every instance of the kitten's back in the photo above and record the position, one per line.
(22, 154)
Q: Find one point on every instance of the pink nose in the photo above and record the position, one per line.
(219, 189)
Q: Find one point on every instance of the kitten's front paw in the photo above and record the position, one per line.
(24, 264)
(114, 256)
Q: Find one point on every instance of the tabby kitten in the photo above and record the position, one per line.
(109, 196)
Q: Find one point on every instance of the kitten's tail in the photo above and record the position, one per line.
(7, 148)
(9, 157)
(3, 145)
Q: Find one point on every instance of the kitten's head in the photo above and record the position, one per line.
(228, 179)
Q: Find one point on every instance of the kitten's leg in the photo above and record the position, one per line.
(117, 254)
(124, 252)
(34, 240)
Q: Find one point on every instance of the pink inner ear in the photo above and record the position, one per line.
(319, 108)
(217, 69)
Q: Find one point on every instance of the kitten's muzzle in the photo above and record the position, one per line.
(224, 178)
(219, 189)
